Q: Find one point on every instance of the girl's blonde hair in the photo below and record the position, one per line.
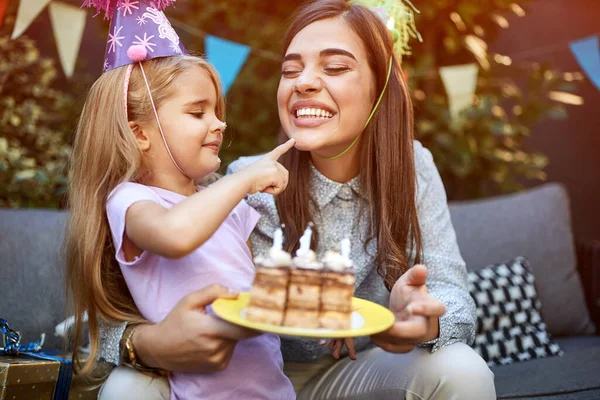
(105, 154)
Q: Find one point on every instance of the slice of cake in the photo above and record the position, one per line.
(304, 292)
(339, 278)
(268, 295)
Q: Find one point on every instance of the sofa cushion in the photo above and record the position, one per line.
(573, 343)
(509, 325)
(31, 272)
(535, 224)
(572, 376)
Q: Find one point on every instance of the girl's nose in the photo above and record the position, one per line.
(221, 126)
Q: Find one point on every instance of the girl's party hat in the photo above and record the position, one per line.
(139, 31)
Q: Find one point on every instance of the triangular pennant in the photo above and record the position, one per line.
(68, 24)
(460, 82)
(587, 53)
(3, 6)
(227, 57)
(28, 11)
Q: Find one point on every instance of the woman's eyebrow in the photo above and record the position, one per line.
(322, 53)
(292, 57)
(336, 52)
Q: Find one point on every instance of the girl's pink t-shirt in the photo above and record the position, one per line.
(158, 283)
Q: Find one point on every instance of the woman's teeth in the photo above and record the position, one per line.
(313, 113)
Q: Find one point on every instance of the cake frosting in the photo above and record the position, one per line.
(302, 291)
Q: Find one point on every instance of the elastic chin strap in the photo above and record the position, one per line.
(387, 79)
(126, 88)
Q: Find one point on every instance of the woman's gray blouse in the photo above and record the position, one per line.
(335, 210)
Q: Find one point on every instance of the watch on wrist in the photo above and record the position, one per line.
(128, 354)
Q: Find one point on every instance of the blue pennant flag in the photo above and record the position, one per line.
(587, 53)
(227, 57)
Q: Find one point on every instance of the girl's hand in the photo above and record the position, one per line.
(337, 345)
(267, 175)
(417, 313)
(188, 339)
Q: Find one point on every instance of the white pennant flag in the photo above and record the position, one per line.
(460, 82)
(68, 24)
(28, 11)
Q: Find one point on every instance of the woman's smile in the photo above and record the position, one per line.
(310, 113)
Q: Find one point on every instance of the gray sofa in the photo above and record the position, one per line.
(535, 224)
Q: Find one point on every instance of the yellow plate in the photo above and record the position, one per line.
(368, 318)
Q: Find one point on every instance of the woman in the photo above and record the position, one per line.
(358, 175)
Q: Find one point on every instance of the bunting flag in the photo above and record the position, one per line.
(3, 6)
(68, 24)
(587, 53)
(460, 82)
(28, 11)
(227, 57)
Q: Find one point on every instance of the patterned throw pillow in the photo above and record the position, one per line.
(509, 324)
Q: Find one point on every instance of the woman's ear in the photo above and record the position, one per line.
(141, 137)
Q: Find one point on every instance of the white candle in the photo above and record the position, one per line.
(278, 239)
(345, 247)
(305, 240)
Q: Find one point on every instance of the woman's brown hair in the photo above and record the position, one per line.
(388, 176)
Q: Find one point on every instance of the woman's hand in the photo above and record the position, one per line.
(188, 339)
(417, 313)
(337, 345)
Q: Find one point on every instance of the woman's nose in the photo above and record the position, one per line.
(308, 82)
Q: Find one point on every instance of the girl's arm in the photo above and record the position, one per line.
(176, 232)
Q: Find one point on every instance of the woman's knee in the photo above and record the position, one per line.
(463, 374)
(127, 383)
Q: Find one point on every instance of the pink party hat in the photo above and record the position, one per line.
(139, 31)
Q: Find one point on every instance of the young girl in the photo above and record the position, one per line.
(137, 214)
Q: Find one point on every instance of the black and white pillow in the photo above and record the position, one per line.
(509, 324)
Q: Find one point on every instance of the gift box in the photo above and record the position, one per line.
(28, 378)
(28, 373)
(34, 376)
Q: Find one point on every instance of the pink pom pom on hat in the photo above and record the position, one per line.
(137, 53)
(137, 25)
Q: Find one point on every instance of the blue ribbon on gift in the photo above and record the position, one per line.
(12, 341)
(13, 347)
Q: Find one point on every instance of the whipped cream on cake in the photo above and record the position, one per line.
(303, 292)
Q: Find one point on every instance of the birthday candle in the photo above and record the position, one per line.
(278, 239)
(305, 239)
(345, 247)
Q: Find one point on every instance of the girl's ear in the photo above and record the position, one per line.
(141, 137)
